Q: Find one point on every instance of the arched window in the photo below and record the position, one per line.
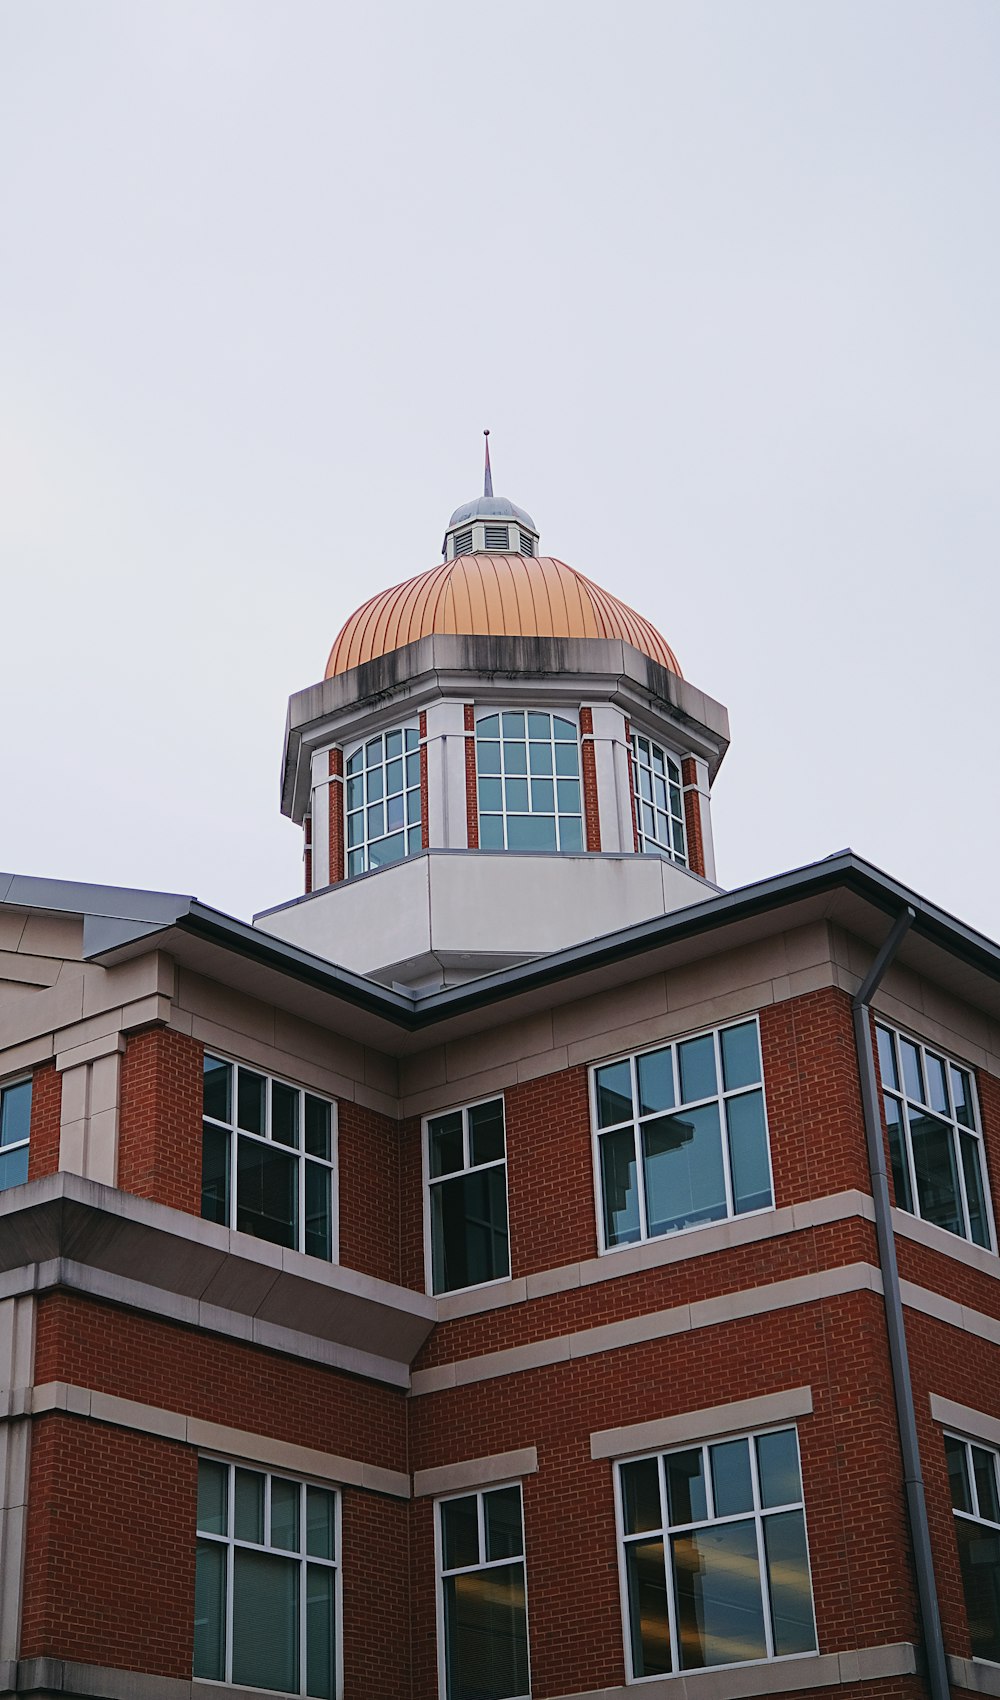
(659, 806)
(383, 800)
(528, 768)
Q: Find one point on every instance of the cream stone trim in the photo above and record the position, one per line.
(948, 1310)
(657, 1325)
(475, 1472)
(215, 1437)
(108, 1045)
(776, 1676)
(979, 1675)
(707, 1424)
(967, 1421)
(949, 1245)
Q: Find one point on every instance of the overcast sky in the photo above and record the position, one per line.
(722, 276)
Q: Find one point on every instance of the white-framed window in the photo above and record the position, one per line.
(482, 1596)
(466, 1226)
(974, 1474)
(382, 800)
(528, 774)
(680, 1135)
(268, 1158)
(659, 802)
(267, 1581)
(15, 1132)
(935, 1142)
(714, 1558)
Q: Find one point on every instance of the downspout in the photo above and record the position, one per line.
(916, 1502)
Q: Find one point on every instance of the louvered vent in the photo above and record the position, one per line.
(527, 544)
(463, 542)
(497, 537)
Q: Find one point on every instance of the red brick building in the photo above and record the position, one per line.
(516, 1267)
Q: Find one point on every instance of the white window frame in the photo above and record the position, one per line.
(976, 1518)
(439, 1572)
(758, 1514)
(230, 1542)
(902, 1096)
(652, 845)
(484, 711)
(236, 1133)
(631, 1057)
(366, 842)
(429, 1182)
(17, 1144)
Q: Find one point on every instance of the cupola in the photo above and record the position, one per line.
(490, 524)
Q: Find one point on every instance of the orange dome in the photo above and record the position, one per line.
(497, 596)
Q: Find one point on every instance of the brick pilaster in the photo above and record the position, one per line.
(471, 797)
(588, 762)
(692, 816)
(425, 834)
(308, 854)
(336, 788)
(159, 1145)
(46, 1108)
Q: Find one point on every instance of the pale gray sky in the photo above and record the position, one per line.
(722, 276)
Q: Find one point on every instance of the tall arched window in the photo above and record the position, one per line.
(659, 806)
(528, 769)
(383, 800)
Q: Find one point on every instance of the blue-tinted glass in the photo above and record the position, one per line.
(491, 795)
(248, 1506)
(720, 1609)
(393, 745)
(887, 1058)
(502, 1523)
(373, 752)
(515, 758)
(513, 725)
(355, 793)
(488, 757)
(15, 1113)
(568, 792)
(540, 758)
(531, 832)
(933, 1146)
(641, 1496)
(656, 1081)
(570, 834)
(778, 1468)
(318, 1239)
(355, 763)
(491, 832)
(210, 1611)
(740, 1055)
(912, 1076)
(961, 1091)
(317, 1126)
(568, 760)
(356, 862)
(516, 791)
(936, 1088)
(682, 1163)
(217, 1089)
(697, 1067)
(614, 1093)
(413, 809)
(394, 817)
(488, 726)
(543, 797)
(732, 1483)
(619, 1189)
(265, 1621)
(539, 726)
(564, 729)
(645, 784)
(213, 1482)
(215, 1144)
(387, 850)
(788, 1584)
(320, 1647)
(375, 785)
(319, 1523)
(460, 1532)
(285, 1514)
(649, 1620)
(355, 829)
(375, 821)
(686, 1495)
(13, 1167)
(413, 840)
(413, 768)
(445, 1144)
(412, 737)
(748, 1163)
(979, 1231)
(394, 778)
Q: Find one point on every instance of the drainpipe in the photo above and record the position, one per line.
(916, 1502)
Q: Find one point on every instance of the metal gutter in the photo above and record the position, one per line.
(902, 1383)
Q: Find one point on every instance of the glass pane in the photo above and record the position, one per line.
(887, 1058)
(656, 1081)
(569, 796)
(539, 756)
(486, 1132)
(937, 1090)
(355, 762)
(376, 787)
(543, 796)
(355, 829)
(983, 1468)
(248, 1506)
(375, 821)
(413, 841)
(686, 1495)
(740, 1055)
(788, 1583)
(250, 1097)
(682, 1165)
(373, 752)
(285, 1514)
(488, 726)
(217, 1089)
(934, 1165)
(531, 832)
(778, 1468)
(979, 1553)
(413, 768)
(266, 1193)
(284, 1113)
(469, 1229)
(356, 863)
(215, 1173)
(897, 1154)
(513, 725)
(614, 1093)
(444, 1136)
(641, 1496)
(649, 1622)
(502, 1522)
(412, 737)
(570, 834)
(539, 726)
(355, 793)
(697, 1065)
(321, 1660)
(393, 744)
(720, 1612)
(488, 757)
(387, 850)
(619, 1188)
(319, 1522)
(961, 1091)
(486, 1634)
(491, 794)
(318, 1241)
(265, 1621)
(13, 1167)
(393, 778)
(732, 1483)
(515, 761)
(491, 832)
(913, 1083)
(748, 1152)
(318, 1124)
(210, 1611)
(460, 1532)
(568, 760)
(394, 813)
(958, 1473)
(564, 729)
(15, 1113)
(516, 794)
(213, 1482)
(972, 1169)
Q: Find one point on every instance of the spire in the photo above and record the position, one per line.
(487, 475)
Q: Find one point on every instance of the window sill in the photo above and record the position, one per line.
(949, 1245)
(774, 1676)
(981, 1676)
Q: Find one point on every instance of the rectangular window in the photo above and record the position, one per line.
(267, 1158)
(15, 1132)
(974, 1473)
(936, 1148)
(715, 1567)
(483, 1608)
(266, 1583)
(467, 1189)
(528, 780)
(382, 800)
(681, 1136)
(659, 808)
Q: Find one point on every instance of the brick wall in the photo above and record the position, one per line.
(471, 794)
(588, 765)
(369, 1191)
(813, 1095)
(692, 816)
(335, 762)
(159, 1146)
(46, 1106)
